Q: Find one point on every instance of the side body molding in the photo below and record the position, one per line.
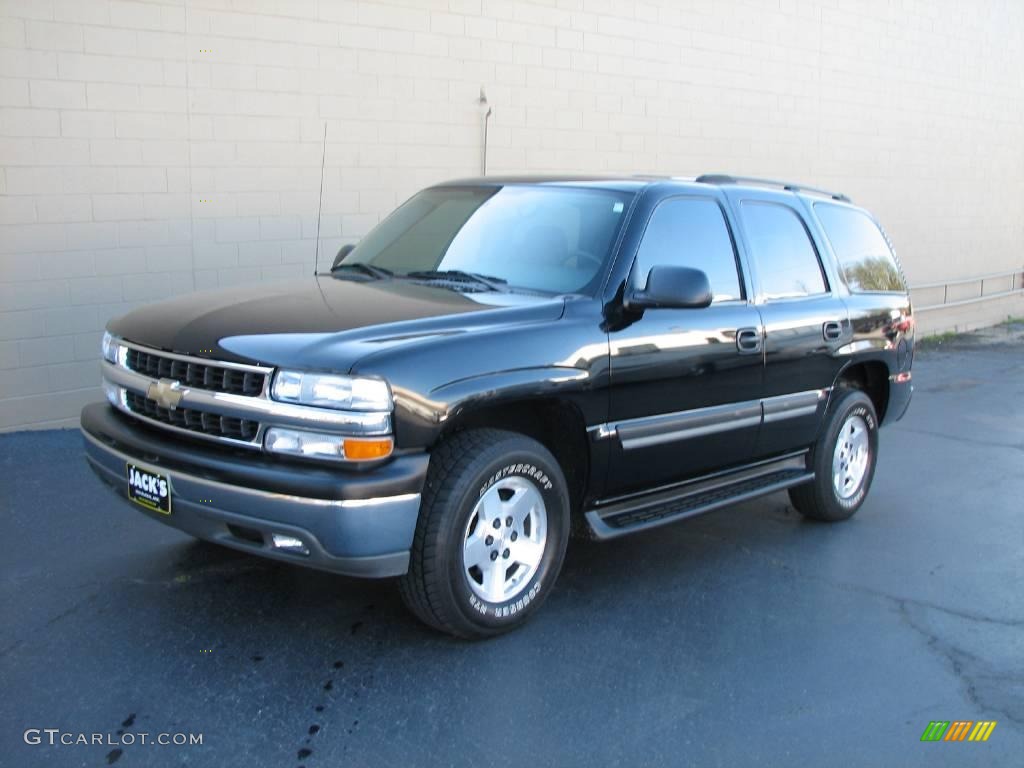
(669, 427)
(682, 425)
(791, 406)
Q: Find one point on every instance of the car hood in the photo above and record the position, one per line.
(321, 322)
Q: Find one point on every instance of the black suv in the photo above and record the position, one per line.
(505, 360)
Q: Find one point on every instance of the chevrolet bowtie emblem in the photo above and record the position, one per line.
(167, 393)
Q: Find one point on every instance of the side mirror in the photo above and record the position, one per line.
(672, 288)
(344, 251)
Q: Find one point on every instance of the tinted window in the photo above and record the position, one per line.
(862, 250)
(786, 260)
(547, 238)
(689, 232)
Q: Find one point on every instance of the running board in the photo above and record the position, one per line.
(696, 498)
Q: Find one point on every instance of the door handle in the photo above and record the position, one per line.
(832, 331)
(748, 341)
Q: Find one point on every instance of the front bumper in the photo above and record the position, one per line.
(354, 523)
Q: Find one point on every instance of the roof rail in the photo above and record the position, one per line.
(722, 178)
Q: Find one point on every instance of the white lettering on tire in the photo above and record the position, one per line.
(506, 611)
(528, 470)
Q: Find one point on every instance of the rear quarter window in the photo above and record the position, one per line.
(864, 255)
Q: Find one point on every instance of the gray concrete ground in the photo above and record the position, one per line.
(745, 637)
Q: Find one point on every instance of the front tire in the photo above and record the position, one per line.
(491, 534)
(843, 460)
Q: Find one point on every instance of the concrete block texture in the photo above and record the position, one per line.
(182, 139)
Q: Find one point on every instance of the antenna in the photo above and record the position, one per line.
(320, 208)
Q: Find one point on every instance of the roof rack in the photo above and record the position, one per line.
(722, 178)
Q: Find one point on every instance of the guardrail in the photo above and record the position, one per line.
(1009, 283)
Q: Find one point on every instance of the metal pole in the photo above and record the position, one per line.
(487, 117)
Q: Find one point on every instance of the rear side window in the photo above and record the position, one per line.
(691, 232)
(787, 262)
(864, 255)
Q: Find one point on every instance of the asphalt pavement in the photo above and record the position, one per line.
(747, 637)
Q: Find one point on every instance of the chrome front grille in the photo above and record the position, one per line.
(207, 399)
(208, 376)
(203, 422)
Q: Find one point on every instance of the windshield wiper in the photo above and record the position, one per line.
(379, 273)
(458, 275)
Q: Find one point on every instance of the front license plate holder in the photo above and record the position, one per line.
(149, 489)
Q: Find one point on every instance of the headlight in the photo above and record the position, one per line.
(319, 445)
(111, 348)
(347, 393)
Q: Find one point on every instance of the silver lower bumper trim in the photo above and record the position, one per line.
(359, 537)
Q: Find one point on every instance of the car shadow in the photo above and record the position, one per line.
(267, 598)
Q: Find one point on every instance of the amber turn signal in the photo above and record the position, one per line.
(366, 450)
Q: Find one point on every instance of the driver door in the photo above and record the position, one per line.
(685, 392)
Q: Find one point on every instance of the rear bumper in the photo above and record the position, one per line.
(353, 523)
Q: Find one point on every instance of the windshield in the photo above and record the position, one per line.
(552, 239)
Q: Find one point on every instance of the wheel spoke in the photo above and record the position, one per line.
(489, 507)
(476, 552)
(520, 505)
(494, 580)
(527, 552)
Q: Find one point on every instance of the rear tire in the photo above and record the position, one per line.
(843, 460)
(491, 534)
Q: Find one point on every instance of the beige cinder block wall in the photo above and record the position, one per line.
(154, 148)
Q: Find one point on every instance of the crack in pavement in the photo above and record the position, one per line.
(961, 439)
(987, 685)
(51, 621)
(861, 589)
(928, 605)
(984, 681)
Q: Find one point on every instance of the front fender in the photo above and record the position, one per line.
(436, 380)
(421, 419)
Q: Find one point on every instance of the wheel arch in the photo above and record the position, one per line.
(871, 377)
(554, 422)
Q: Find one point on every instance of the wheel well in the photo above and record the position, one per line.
(873, 378)
(555, 424)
